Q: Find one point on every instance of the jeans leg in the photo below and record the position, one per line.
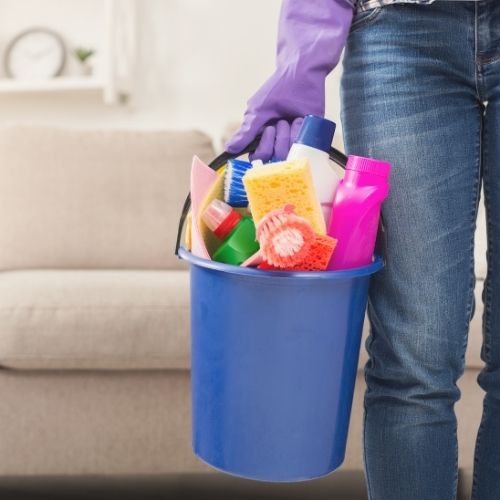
(486, 483)
(411, 99)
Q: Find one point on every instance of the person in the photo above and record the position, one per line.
(421, 89)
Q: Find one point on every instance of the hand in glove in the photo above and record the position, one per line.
(311, 37)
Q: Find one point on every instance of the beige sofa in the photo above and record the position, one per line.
(94, 328)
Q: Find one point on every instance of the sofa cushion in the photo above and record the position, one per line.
(75, 199)
(118, 320)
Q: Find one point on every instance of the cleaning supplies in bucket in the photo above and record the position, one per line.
(274, 216)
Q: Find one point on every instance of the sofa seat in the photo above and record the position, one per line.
(88, 320)
(114, 320)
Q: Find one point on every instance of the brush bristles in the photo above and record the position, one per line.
(284, 237)
(234, 191)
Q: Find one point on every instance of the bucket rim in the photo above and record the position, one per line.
(355, 272)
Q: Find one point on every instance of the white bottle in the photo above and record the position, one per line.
(313, 142)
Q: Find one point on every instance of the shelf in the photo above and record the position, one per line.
(116, 59)
(59, 84)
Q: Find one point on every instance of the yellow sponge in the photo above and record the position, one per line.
(273, 186)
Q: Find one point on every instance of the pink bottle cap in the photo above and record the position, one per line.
(220, 218)
(368, 165)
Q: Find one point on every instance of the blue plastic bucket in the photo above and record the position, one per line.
(274, 360)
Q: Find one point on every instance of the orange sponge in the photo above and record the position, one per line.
(319, 254)
(317, 257)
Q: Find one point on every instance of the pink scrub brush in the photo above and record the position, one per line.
(285, 238)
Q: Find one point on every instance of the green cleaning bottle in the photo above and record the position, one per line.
(236, 232)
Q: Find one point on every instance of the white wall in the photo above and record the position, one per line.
(198, 62)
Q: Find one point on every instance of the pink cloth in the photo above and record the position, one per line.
(202, 180)
(254, 260)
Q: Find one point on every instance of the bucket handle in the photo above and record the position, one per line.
(335, 155)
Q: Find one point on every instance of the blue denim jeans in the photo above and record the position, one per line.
(415, 86)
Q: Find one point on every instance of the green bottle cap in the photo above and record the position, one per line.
(239, 245)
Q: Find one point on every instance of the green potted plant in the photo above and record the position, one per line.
(82, 55)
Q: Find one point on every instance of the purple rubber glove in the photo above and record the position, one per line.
(311, 37)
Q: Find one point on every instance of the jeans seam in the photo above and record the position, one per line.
(477, 63)
(472, 277)
(487, 285)
(475, 51)
(487, 305)
(474, 211)
(368, 344)
(477, 447)
(490, 261)
(365, 410)
(474, 474)
(455, 481)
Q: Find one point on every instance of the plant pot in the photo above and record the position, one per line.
(84, 69)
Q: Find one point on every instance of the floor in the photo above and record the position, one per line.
(343, 485)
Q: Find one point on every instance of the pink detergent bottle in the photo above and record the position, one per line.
(356, 211)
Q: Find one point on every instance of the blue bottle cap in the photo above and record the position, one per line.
(316, 132)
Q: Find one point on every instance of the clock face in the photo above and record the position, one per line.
(35, 54)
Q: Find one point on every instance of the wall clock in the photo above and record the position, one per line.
(35, 54)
